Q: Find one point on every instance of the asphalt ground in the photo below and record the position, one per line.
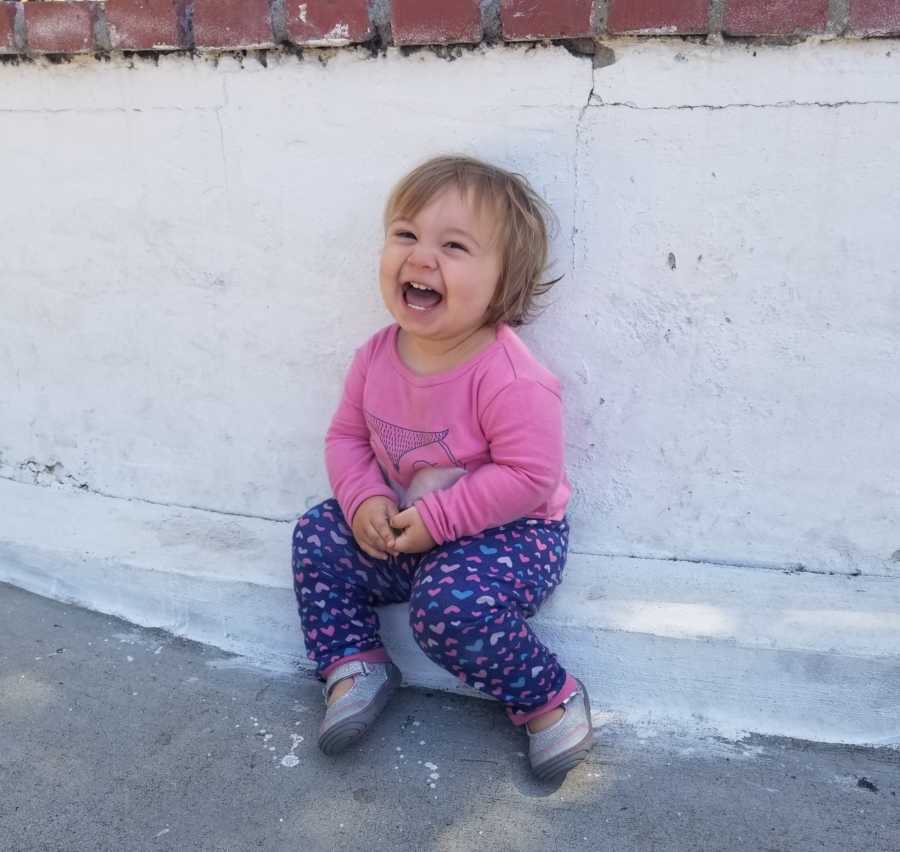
(114, 737)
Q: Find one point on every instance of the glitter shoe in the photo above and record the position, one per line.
(349, 718)
(567, 742)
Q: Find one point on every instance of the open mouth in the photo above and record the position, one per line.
(419, 297)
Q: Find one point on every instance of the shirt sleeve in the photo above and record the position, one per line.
(349, 458)
(523, 425)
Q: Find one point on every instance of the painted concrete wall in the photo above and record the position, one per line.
(190, 252)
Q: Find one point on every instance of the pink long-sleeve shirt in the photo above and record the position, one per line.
(497, 417)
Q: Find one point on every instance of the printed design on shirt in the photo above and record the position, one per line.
(398, 441)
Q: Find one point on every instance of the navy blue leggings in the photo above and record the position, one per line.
(468, 603)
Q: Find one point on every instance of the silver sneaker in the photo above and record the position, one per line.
(349, 718)
(567, 742)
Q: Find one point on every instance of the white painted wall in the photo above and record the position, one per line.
(189, 260)
(189, 255)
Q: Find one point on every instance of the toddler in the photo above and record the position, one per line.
(446, 460)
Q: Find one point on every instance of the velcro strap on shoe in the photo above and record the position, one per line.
(354, 667)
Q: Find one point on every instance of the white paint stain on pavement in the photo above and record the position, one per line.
(291, 759)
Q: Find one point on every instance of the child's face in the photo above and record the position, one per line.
(449, 248)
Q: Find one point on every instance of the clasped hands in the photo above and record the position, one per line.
(382, 530)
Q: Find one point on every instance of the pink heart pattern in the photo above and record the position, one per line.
(468, 601)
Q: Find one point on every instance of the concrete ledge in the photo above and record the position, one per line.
(815, 656)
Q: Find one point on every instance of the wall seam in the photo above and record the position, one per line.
(85, 489)
(774, 105)
(780, 567)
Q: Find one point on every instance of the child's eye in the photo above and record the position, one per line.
(455, 245)
(405, 235)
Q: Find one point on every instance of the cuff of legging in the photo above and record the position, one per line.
(374, 655)
(570, 685)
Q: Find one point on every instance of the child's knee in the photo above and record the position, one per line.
(316, 539)
(443, 629)
(318, 519)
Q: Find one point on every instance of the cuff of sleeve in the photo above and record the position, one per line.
(429, 519)
(375, 491)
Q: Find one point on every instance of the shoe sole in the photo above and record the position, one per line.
(345, 733)
(567, 760)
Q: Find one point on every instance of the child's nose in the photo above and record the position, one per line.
(422, 256)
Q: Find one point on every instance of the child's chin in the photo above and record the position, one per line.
(420, 323)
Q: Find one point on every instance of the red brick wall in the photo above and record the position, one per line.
(80, 26)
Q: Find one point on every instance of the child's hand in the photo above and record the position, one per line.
(371, 526)
(413, 535)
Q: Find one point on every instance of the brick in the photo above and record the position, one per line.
(232, 23)
(436, 21)
(321, 23)
(875, 17)
(775, 17)
(658, 17)
(8, 27)
(524, 20)
(60, 27)
(143, 24)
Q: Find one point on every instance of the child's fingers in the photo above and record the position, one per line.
(383, 531)
(401, 543)
(370, 542)
(375, 554)
(403, 519)
(409, 543)
(377, 540)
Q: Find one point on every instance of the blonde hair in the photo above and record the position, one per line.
(522, 227)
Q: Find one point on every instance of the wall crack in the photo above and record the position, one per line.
(577, 171)
(599, 103)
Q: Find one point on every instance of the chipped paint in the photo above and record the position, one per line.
(337, 36)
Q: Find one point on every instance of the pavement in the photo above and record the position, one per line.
(115, 737)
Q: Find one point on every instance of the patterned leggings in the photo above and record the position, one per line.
(468, 603)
